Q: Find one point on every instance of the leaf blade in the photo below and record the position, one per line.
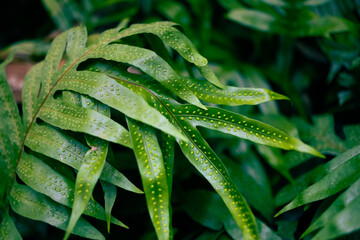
(43, 179)
(8, 230)
(52, 143)
(345, 172)
(232, 96)
(241, 126)
(150, 63)
(11, 135)
(78, 119)
(48, 211)
(204, 159)
(115, 95)
(153, 174)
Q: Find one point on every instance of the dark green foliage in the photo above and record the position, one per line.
(143, 100)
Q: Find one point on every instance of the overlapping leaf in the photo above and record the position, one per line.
(186, 117)
(33, 205)
(108, 91)
(327, 180)
(57, 145)
(90, 169)
(42, 178)
(346, 221)
(154, 177)
(171, 36)
(63, 93)
(231, 96)
(337, 207)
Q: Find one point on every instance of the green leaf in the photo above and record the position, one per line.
(204, 159)
(52, 143)
(90, 169)
(338, 174)
(30, 92)
(8, 230)
(342, 202)
(266, 22)
(264, 231)
(33, 205)
(76, 43)
(276, 160)
(172, 37)
(168, 152)
(346, 221)
(110, 192)
(150, 63)
(110, 92)
(177, 113)
(50, 66)
(78, 119)
(210, 76)
(250, 177)
(240, 126)
(232, 96)
(208, 209)
(43, 179)
(11, 135)
(153, 175)
(321, 134)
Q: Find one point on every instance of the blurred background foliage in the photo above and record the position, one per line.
(308, 50)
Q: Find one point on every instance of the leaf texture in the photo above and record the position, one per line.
(150, 63)
(115, 95)
(172, 37)
(90, 169)
(11, 135)
(33, 205)
(52, 143)
(31, 89)
(154, 177)
(232, 96)
(186, 117)
(240, 126)
(78, 119)
(43, 179)
(204, 159)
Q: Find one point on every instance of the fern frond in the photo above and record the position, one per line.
(67, 107)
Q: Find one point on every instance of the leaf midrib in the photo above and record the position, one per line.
(176, 120)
